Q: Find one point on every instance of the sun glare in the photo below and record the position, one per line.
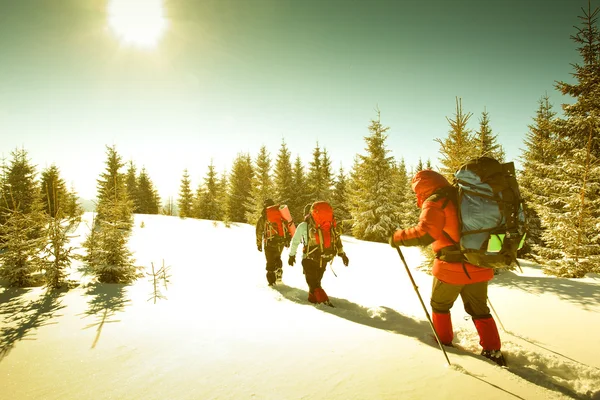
(139, 23)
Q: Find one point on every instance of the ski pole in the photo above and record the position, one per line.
(423, 304)
(496, 314)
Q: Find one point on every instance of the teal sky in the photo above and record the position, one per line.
(228, 76)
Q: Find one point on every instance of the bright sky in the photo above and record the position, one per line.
(222, 333)
(174, 84)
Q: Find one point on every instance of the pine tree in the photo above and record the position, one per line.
(58, 253)
(373, 204)
(53, 191)
(419, 166)
(20, 191)
(147, 197)
(186, 197)
(300, 198)
(112, 191)
(486, 143)
(456, 149)
(319, 178)
(284, 191)
(534, 179)
(572, 220)
(340, 202)
(262, 186)
(240, 185)
(131, 183)
(209, 196)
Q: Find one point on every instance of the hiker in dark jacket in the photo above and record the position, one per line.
(312, 264)
(438, 219)
(273, 247)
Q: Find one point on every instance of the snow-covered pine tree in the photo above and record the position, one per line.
(537, 158)
(58, 253)
(186, 197)
(131, 183)
(112, 190)
(108, 257)
(197, 201)
(284, 191)
(22, 222)
(147, 198)
(485, 142)
(262, 186)
(457, 148)
(240, 185)
(53, 191)
(373, 191)
(300, 198)
(573, 233)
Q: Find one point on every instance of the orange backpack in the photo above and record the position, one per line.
(322, 233)
(277, 227)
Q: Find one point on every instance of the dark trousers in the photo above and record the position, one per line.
(274, 264)
(313, 273)
(474, 297)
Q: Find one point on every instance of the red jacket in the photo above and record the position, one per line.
(435, 219)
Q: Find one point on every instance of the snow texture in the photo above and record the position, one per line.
(217, 331)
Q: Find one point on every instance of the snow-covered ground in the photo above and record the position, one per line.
(221, 333)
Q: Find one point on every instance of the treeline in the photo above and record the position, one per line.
(559, 179)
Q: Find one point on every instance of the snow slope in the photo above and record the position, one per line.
(219, 332)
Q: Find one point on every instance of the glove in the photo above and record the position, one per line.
(291, 260)
(345, 259)
(259, 247)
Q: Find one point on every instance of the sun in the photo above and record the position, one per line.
(139, 23)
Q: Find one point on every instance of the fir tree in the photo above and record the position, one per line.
(58, 254)
(284, 191)
(20, 191)
(53, 191)
(373, 206)
(573, 218)
(112, 190)
(262, 186)
(534, 179)
(300, 198)
(147, 197)
(240, 185)
(486, 143)
(318, 180)
(210, 195)
(186, 197)
(131, 183)
(457, 148)
(339, 201)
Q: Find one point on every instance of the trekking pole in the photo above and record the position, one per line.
(496, 314)
(423, 304)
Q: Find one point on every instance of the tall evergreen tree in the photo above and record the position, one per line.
(262, 186)
(53, 191)
(240, 185)
(535, 181)
(20, 191)
(301, 197)
(572, 232)
(457, 148)
(131, 183)
(112, 191)
(373, 206)
(210, 204)
(186, 197)
(284, 191)
(319, 179)
(148, 200)
(340, 202)
(485, 142)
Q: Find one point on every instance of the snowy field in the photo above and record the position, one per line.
(219, 332)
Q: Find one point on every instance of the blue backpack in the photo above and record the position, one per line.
(490, 210)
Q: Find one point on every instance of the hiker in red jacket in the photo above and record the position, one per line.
(438, 219)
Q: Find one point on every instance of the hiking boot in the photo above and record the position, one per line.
(494, 355)
(278, 275)
(311, 297)
(321, 296)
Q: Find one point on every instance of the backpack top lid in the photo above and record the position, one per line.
(322, 214)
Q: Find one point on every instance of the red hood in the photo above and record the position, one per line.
(425, 183)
